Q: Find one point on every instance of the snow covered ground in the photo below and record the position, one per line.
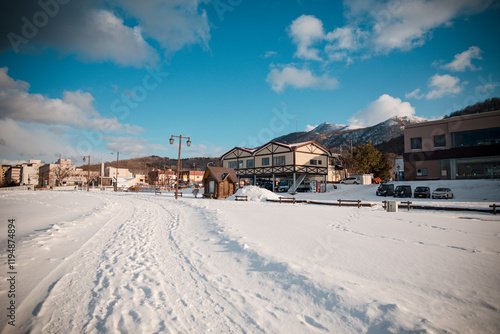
(97, 262)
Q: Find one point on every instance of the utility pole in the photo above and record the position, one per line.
(88, 173)
(117, 162)
(179, 159)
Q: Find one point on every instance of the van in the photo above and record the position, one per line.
(402, 191)
(349, 180)
(385, 189)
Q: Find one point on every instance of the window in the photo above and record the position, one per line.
(250, 163)
(320, 162)
(421, 171)
(482, 137)
(265, 161)
(278, 161)
(240, 164)
(416, 143)
(233, 164)
(440, 141)
(314, 162)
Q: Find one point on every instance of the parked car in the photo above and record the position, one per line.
(385, 189)
(422, 192)
(349, 180)
(402, 191)
(442, 193)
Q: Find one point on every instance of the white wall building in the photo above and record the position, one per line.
(29, 172)
(120, 172)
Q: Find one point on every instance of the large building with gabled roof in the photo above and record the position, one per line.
(276, 161)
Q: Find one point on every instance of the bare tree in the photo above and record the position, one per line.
(61, 172)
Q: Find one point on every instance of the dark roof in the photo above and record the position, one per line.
(291, 147)
(221, 174)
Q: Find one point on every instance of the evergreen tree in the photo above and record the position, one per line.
(367, 159)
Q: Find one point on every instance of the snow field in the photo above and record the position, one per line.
(139, 263)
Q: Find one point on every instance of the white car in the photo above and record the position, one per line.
(349, 180)
(442, 193)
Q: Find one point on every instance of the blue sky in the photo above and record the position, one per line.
(94, 77)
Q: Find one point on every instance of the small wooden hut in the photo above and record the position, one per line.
(219, 182)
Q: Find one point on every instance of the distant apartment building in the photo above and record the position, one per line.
(29, 172)
(462, 147)
(56, 174)
(190, 176)
(13, 175)
(161, 177)
(117, 172)
(3, 170)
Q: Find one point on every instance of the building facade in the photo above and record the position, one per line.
(63, 172)
(13, 175)
(29, 172)
(462, 147)
(117, 172)
(161, 177)
(275, 162)
(192, 176)
(219, 182)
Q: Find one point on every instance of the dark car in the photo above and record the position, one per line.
(402, 191)
(385, 190)
(422, 192)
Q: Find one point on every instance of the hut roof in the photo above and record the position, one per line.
(221, 174)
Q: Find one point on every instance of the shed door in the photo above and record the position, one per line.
(211, 187)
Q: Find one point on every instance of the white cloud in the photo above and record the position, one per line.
(173, 23)
(486, 88)
(75, 109)
(30, 140)
(409, 23)
(131, 146)
(463, 61)
(305, 31)
(291, 76)
(443, 85)
(415, 95)
(380, 110)
(344, 38)
(310, 127)
(97, 30)
(270, 54)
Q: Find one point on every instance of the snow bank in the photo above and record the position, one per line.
(254, 194)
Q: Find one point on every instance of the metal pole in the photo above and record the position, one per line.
(117, 162)
(178, 168)
(88, 176)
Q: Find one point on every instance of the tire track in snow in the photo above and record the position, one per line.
(135, 279)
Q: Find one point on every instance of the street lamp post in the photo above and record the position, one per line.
(88, 172)
(179, 159)
(117, 161)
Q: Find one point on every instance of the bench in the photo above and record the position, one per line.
(241, 198)
(157, 192)
(287, 199)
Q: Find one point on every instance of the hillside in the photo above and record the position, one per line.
(386, 135)
(480, 107)
(145, 164)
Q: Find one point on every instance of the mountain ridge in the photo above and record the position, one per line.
(341, 135)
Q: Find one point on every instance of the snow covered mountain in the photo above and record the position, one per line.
(328, 127)
(334, 135)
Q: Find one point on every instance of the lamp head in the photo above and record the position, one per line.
(189, 142)
(171, 140)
